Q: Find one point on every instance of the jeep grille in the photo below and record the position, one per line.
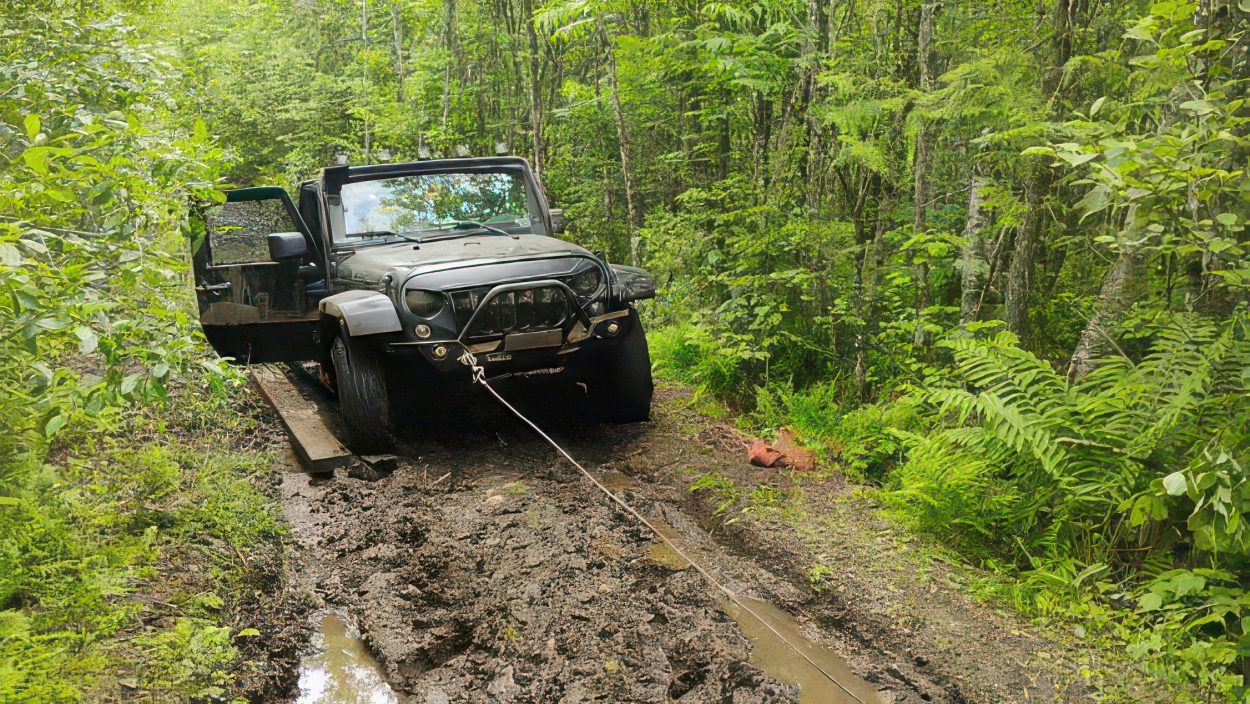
(540, 308)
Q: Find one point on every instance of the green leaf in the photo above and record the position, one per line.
(9, 256)
(1150, 602)
(1174, 483)
(248, 633)
(37, 159)
(87, 339)
(1077, 158)
(1198, 107)
(1093, 110)
(1227, 219)
(53, 425)
(33, 125)
(129, 383)
(1187, 583)
(1096, 200)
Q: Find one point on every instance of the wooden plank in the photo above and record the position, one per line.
(315, 443)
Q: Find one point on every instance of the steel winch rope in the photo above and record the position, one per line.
(479, 377)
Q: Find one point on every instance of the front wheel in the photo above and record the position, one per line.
(361, 382)
(620, 387)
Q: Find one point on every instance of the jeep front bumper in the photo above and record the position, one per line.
(540, 347)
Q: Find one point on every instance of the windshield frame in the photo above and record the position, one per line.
(333, 180)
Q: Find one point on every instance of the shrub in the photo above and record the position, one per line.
(863, 439)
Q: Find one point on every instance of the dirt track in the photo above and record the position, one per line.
(482, 569)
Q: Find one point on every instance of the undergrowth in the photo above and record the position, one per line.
(130, 500)
(1112, 506)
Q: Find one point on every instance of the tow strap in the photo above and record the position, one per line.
(479, 377)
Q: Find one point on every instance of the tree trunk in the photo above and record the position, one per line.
(623, 140)
(1061, 45)
(1119, 290)
(536, 93)
(724, 144)
(868, 254)
(398, 34)
(920, 270)
(974, 265)
(1020, 271)
(811, 163)
(450, 43)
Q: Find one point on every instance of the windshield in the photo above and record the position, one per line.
(428, 206)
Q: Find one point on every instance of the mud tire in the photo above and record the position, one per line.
(361, 381)
(619, 389)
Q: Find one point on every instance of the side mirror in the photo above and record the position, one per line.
(633, 284)
(559, 223)
(287, 245)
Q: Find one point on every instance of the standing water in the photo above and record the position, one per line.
(771, 654)
(341, 670)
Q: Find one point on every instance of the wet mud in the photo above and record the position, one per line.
(480, 568)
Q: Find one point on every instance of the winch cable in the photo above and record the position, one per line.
(479, 377)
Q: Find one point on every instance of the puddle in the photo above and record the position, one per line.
(771, 654)
(616, 481)
(660, 553)
(664, 529)
(341, 670)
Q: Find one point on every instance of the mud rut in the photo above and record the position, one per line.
(480, 568)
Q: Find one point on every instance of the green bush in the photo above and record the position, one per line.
(690, 354)
(749, 290)
(113, 396)
(1130, 482)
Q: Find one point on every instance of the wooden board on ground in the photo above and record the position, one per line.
(315, 443)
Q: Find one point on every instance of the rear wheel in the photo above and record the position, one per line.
(361, 382)
(620, 386)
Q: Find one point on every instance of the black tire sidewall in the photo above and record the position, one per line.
(362, 390)
(619, 385)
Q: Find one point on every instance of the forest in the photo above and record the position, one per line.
(990, 260)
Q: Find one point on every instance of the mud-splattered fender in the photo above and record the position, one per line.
(362, 312)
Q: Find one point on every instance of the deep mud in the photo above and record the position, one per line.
(480, 568)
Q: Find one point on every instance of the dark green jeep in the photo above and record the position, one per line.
(400, 266)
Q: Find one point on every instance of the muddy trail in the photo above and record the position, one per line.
(480, 567)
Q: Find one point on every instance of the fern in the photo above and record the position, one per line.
(1044, 470)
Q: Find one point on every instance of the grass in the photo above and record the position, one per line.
(515, 488)
(126, 562)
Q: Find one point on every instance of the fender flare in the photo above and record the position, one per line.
(361, 312)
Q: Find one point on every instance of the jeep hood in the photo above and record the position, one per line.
(367, 265)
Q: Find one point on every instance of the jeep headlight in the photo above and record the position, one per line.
(586, 283)
(426, 304)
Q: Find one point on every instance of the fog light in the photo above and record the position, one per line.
(614, 327)
(440, 352)
(423, 331)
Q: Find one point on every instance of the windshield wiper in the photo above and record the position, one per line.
(384, 233)
(474, 225)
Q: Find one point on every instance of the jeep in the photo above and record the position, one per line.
(394, 271)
